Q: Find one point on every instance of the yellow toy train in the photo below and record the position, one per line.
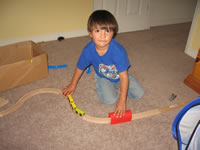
(74, 107)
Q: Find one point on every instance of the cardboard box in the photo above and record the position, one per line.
(21, 63)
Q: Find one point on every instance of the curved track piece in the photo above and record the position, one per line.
(88, 118)
(3, 101)
(160, 110)
(96, 120)
(24, 98)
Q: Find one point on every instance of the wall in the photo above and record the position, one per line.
(21, 19)
(45, 20)
(193, 44)
(163, 12)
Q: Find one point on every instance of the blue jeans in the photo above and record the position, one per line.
(107, 92)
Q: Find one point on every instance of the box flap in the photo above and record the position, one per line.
(16, 52)
(16, 68)
(36, 50)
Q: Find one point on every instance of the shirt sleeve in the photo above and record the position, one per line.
(83, 61)
(122, 62)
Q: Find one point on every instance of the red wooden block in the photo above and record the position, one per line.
(126, 118)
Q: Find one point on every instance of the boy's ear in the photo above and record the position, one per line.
(90, 34)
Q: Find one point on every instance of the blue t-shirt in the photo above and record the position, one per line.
(108, 66)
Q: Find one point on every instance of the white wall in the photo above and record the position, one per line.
(193, 44)
(164, 12)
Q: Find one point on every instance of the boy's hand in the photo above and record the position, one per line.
(69, 89)
(120, 109)
(121, 104)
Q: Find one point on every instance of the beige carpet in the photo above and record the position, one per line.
(46, 122)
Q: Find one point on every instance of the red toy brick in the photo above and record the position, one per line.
(126, 118)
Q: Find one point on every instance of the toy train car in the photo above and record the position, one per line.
(74, 107)
(79, 111)
(71, 101)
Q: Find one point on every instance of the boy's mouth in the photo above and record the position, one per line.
(102, 40)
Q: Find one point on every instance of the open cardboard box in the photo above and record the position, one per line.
(21, 63)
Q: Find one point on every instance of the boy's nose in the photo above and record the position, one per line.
(103, 34)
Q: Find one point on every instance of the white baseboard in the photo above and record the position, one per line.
(155, 23)
(191, 52)
(48, 37)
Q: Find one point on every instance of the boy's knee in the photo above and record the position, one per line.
(140, 94)
(108, 100)
(136, 94)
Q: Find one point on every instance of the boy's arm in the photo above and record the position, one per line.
(72, 86)
(121, 104)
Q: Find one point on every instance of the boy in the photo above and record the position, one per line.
(110, 63)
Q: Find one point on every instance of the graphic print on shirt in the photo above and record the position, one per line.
(109, 71)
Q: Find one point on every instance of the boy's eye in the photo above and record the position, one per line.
(108, 30)
(97, 30)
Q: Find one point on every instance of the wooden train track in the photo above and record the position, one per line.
(88, 118)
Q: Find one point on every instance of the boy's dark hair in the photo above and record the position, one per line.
(104, 19)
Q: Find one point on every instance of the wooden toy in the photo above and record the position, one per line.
(193, 80)
(74, 107)
(115, 120)
(88, 118)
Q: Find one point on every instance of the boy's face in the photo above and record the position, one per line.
(101, 37)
